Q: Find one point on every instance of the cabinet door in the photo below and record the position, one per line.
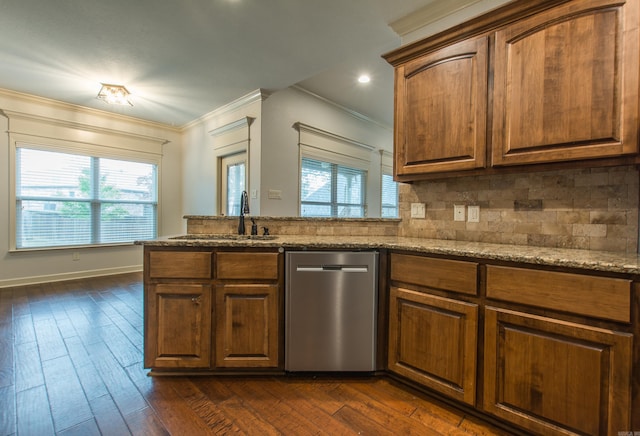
(566, 84)
(555, 377)
(433, 340)
(178, 326)
(441, 109)
(247, 325)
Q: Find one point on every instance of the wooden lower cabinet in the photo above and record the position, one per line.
(178, 326)
(433, 341)
(556, 377)
(247, 325)
(209, 309)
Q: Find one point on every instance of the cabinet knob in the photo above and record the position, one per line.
(196, 300)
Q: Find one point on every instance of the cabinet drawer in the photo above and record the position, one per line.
(247, 266)
(448, 275)
(600, 297)
(180, 264)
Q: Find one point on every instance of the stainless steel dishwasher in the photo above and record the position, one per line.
(331, 310)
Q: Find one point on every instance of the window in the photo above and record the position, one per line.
(389, 197)
(65, 199)
(331, 190)
(233, 182)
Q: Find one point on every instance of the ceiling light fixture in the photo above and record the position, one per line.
(114, 94)
(364, 79)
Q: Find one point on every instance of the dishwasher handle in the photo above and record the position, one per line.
(332, 267)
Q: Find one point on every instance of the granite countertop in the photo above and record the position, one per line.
(569, 258)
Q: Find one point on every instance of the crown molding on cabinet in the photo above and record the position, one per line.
(428, 14)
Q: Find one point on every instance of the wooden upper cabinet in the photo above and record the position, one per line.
(566, 84)
(441, 110)
(532, 82)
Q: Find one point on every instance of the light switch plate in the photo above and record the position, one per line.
(274, 194)
(418, 210)
(458, 212)
(473, 214)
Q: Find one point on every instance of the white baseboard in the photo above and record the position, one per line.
(34, 280)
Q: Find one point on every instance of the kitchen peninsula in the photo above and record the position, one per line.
(543, 339)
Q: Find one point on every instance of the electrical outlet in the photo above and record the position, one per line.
(458, 212)
(473, 214)
(75, 255)
(418, 210)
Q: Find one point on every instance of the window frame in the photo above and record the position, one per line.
(84, 149)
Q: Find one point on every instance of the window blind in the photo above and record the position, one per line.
(331, 190)
(389, 194)
(66, 199)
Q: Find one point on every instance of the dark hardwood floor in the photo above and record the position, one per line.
(71, 364)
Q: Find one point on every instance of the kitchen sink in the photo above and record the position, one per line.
(226, 236)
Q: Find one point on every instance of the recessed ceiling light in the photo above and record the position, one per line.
(364, 78)
(114, 94)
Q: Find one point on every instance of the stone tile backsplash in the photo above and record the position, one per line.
(297, 226)
(593, 209)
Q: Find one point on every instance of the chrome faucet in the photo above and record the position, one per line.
(244, 209)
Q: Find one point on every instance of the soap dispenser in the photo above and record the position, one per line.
(254, 227)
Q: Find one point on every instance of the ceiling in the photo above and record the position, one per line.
(181, 59)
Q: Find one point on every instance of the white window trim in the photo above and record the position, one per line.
(326, 146)
(230, 139)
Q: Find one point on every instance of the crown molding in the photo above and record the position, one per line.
(247, 99)
(15, 115)
(428, 14)
(77, 109)
(351, 112)
(238, 124)
(301, 127)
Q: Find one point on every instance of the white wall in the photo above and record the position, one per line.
(200, 190)
(280, 157)
(50, 265)
(273, 150)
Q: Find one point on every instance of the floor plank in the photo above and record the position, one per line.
(8, 410)
(33, 412)
(235, 408)
(28, 370)
(282, 415)
(108, 417)
(69, 406)
(206, 409)
(76, 347)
